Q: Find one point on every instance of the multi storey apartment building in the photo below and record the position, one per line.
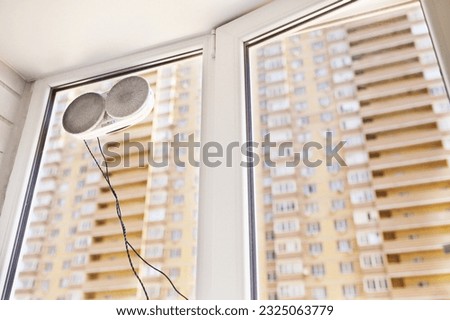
(376, 227)
(74, 248)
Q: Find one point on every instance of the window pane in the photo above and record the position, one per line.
(74, 247)
(356, 218)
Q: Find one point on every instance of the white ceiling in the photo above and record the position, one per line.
(39, 38)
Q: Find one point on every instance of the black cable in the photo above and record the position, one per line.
(119, 214)
(148, 264)
(124, 230)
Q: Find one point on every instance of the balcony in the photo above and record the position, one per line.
(402, 86)
(386, 19)
(113, 246)
(411, 178)
(399, 121)
(411, 269)
(388, 72)
(386, 43)
(415, 221)
(414, 199)
(403, 139)
(127, 179)
(108, 265)
(113, 284)
(133, 162)
(408, 159)
(398, 104)
(387, 29)
(115, 228)
(385, 58)
(423, 243)
(127, 211)
(107, 197)
(437, 291)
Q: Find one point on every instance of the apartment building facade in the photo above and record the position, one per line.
(373, 229)
(75, 248)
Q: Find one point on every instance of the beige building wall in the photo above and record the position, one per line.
(375, 228)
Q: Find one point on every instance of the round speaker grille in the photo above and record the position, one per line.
(127, 97)
(84, 113)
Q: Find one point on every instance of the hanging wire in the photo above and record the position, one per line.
(128, 245)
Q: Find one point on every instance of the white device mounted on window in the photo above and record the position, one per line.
(94, 114)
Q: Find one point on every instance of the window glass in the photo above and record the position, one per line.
(73, 228)
(363, 81)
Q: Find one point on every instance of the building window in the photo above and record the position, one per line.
(368, 238)
(337, 204)
(326, 116)
(376, 284)
(325, 102)
(311, 208)
(358, 176)
(350, 123)
(270, 255)
(371, 260)
(349, 291)
(284, 187)
(318, 270)
(318, 45)
(307, 172)
(270, 235)
(271, 276)
(356, 158)
(309, 189)
(319, 58)
(341, 225)
(346, 267)
(301, 106)
(313, 228)
(354, 141)
(291, 290)
(292, 267)
(304, 137)
(365, 216)
(282, 171)
(287, 246)
(362, 196)
(337, 185)
(298, 77)
(286, 206)
(175, 253)
(321, 72)
(315, 248)
(344, 246)
(286, 226)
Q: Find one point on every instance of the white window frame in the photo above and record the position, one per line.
(224, 268)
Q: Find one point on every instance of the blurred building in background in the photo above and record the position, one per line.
(74, 248)
(376, 227)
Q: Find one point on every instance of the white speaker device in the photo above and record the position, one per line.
(94, 115)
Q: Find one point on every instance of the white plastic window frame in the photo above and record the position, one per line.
(23, 175)
(226, 266)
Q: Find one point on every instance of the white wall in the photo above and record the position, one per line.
(13, 110)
